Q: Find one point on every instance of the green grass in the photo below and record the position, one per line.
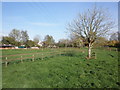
(70, 70)
(38, 54)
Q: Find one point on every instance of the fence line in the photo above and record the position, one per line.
(21, 58)
(26, 54)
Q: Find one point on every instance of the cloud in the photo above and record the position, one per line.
(3, 34)
(44, 24)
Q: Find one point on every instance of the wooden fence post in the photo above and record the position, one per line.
(116, 49)
(6, 62)
(33, 58)
(42, 53)
(21, 60)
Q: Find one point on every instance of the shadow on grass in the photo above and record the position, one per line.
(73, 54)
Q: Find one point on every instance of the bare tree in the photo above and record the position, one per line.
(36, 39)
(75, 39)
(90, 25)
(49, 40)
(19, 36)
(24, 37)
(114, 36)
(15, 34)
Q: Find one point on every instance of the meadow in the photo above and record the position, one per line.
(66, 69)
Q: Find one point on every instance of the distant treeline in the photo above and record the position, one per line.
(21, 37)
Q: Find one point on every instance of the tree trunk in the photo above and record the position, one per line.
(89, 50)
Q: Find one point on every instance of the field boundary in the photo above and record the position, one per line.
(32, 56)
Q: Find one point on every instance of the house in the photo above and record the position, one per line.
(9, 46)
(34, 47)
(40, 44)
(52, 46)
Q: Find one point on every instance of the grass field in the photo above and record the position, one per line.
(68, 70)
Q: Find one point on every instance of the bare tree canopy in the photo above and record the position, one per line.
(15, 34)
(114, 36)
(20, 36)
(37, 39)
(49, 40)
(90, 25)
(24, 36)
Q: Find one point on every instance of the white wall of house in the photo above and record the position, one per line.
(40, 44)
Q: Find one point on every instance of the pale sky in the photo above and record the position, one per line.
(47, 18)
